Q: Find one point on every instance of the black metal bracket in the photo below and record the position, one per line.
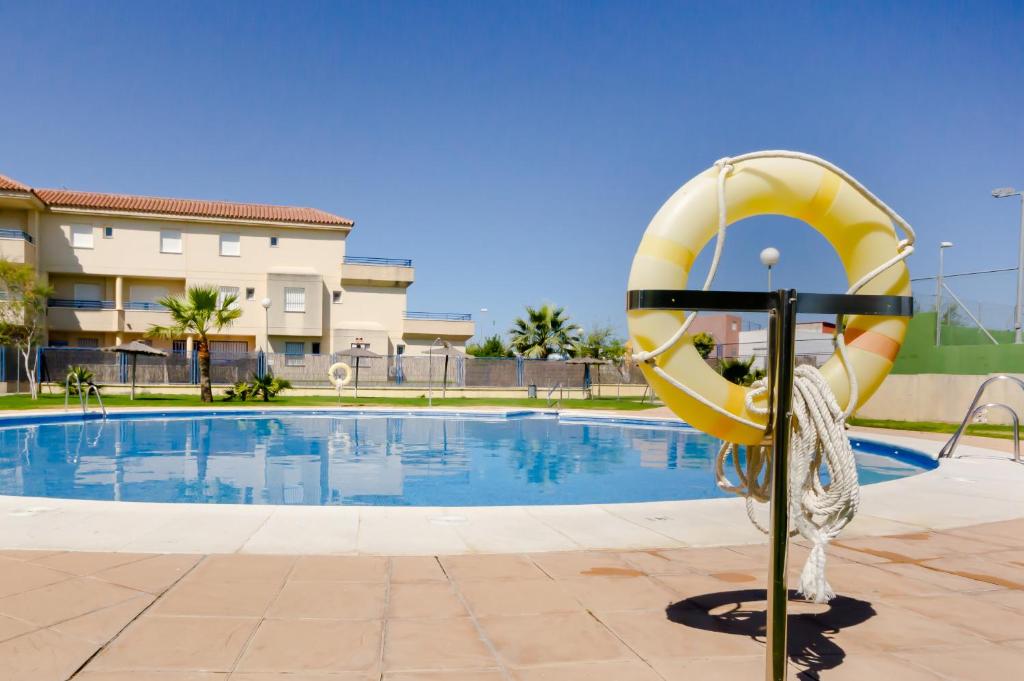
(763, 301)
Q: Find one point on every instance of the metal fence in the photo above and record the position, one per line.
(975, 307)
(312, 370)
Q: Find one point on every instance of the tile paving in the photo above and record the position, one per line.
(926, 606)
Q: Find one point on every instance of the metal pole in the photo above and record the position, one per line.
(1020, 277)
(784, 328)
(938, 300)
(769, 277)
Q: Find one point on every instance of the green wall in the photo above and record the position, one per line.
(965, 350)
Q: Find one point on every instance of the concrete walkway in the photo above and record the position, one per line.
(915, 607)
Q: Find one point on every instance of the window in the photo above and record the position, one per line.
(335, 297)
(315, 348)
(170, 241)
(58, 343)
(294, 354)
(144, 293)
(88, 342)
(273, 242)
(250, 294)
(88, 292)
(228, 347)
(81, 236)
(294, 299)
(400, 349)
(225, 293)
(179, 347)
(108, 232)
(230, 245)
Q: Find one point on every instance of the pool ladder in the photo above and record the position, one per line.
(556, 401)
(949, 448)
(83, 398)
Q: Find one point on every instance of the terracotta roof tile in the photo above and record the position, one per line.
(11, 184)
(214, 209)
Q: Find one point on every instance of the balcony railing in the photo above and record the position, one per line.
(139, 305)
(441, 316)
(363, 260)
(16, 234)
(82, 304)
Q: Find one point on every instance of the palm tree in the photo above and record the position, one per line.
(199, 313)
(544, 330)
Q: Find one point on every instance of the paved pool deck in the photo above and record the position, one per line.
(926, 606)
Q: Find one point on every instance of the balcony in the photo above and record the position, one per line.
(448, 325)
(66, 314)
(16, 245)
(16, 234)
(371, 271)
(139, 315)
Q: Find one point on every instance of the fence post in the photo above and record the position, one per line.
(261, 363)
(193, 369)
(398, 370)
(520, 371)
(3, 362)
(39, 363)
(122, 367)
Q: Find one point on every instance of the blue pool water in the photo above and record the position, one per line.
(386, 459)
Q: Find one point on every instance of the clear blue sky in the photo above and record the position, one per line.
(517, 151)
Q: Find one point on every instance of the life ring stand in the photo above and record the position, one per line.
(857, 225)
(332, 374)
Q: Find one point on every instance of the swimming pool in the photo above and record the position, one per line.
(374, 458)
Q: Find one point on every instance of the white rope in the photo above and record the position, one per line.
(819, 511)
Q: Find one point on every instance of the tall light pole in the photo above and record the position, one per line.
(770, 258)
(266, 321)
(483, 331)
(938, 293)
(1005, 193)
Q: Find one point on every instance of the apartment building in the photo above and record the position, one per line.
(111, 257)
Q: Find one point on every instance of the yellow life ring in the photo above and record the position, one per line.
(859, 230)
(333, 377)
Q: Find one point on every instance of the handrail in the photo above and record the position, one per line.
(81, 304)
(1013, 419)
(83, 400)
(96, 389)
(948, 449)
(561, 393)
(369, 260)
(16, 234)
(144, 305)
(444, 316)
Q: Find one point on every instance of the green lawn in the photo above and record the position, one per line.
(981, 429)
(155, 400)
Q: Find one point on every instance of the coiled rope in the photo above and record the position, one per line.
(819, 511)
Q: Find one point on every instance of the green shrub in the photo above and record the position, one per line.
(83, 375)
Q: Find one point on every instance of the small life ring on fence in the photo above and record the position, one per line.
(332, 374)
(858, 226)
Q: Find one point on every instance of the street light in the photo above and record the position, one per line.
(770, 258)
(1005, 193)
(266, 321)
(938, 293)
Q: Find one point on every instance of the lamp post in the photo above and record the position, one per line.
(938, 293)
(483, 328)
(770, 258)
(430, 369)
(1005, 193)
(266, 322)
